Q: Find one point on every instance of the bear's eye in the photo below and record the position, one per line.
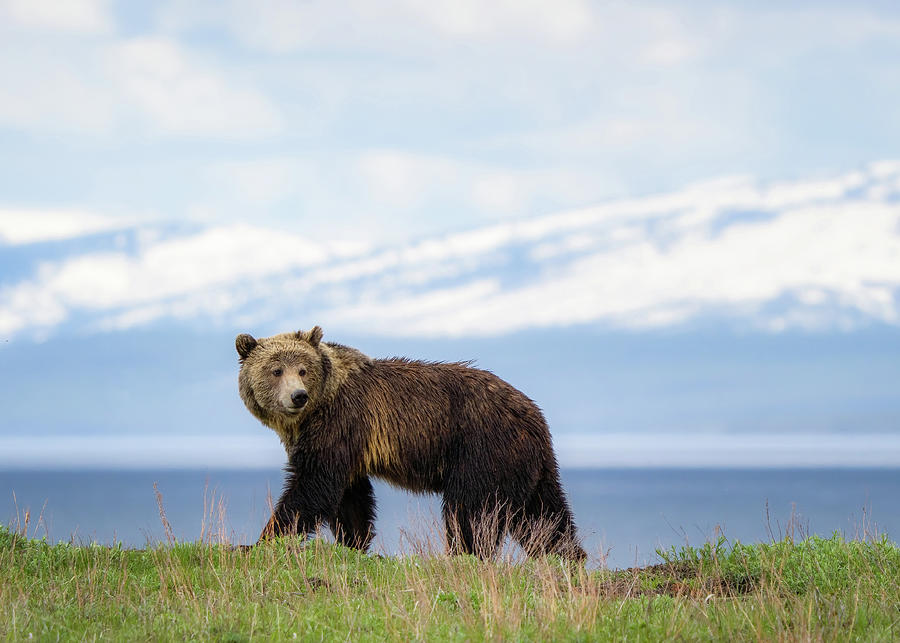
(302, 372)
(277, 372)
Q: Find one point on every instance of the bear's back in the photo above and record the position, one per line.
(414, 420)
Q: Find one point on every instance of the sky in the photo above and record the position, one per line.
(669, 223)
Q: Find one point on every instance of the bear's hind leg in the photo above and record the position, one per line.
(547, 526)
(354, 524)
(474, 528)
(460, 539)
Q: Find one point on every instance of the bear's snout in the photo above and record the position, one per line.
(299, 397)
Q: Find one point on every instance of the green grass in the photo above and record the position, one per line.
(812, 589)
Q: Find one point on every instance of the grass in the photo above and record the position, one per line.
(791, 589)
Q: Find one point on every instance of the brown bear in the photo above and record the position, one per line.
(425, 426)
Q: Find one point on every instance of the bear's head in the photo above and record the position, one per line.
(282, 377)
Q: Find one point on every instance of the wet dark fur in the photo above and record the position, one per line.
(427, 427)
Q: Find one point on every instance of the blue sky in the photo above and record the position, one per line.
(456, 180)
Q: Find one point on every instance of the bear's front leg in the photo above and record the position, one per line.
(353, 525)
(312, 491)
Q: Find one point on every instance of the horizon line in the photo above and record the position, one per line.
(652, 450)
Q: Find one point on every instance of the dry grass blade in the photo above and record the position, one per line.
(170, 535)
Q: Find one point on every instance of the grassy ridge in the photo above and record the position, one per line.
(814, 589)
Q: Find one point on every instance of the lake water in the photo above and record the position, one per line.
(622, 515)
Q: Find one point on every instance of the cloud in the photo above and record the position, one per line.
(23, 226)
(405, 180)
(271, 25)
(126, 86)
(807, 254)
(628, 98)
(559, 22)
(280, 26)
(635, 34)
(68, 16)
(258, 182)
(179, 94)
(669, 52)
(43, 91)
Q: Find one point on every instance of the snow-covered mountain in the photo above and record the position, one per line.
(820, 253)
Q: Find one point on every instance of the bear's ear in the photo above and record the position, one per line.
(245, 344)
(315, 336)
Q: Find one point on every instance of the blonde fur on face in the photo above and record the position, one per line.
(268, 395)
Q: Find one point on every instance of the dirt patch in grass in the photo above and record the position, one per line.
(677, 580)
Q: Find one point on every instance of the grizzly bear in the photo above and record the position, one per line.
(424, 426)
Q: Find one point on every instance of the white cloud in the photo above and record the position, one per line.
(259, 181)
(43, 91)
(105, 86)
(22, 226)
(630, 33)
(181, 95)
(558, 22)
(281, 26)
(271, 25)
(71, 16)
(499, 192)
(405, 180)
(669, 52)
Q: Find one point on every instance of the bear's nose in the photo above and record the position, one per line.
(299, 397)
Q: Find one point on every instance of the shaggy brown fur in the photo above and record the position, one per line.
(424, 426)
